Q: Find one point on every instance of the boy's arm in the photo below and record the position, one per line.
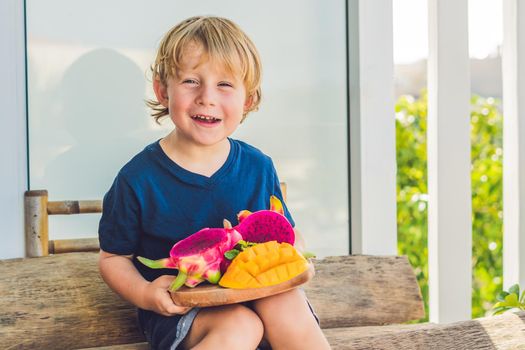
(121, 275)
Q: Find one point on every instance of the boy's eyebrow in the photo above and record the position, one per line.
(225, 75)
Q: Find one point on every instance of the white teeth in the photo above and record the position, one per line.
(202, 117)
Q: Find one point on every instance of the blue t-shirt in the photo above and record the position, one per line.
(153, 202)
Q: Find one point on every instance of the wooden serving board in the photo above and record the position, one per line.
(213, 295)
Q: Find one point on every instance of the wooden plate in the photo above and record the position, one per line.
(213, 295)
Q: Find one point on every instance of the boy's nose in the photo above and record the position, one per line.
(206, 96)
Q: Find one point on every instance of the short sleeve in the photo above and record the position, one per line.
(119, 227)
(278, 193)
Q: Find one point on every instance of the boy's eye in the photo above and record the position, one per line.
(225, 83)
(189, 81)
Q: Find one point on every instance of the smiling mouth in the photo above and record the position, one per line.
(205, 119)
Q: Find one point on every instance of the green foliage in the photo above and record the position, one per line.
(412, 198)
(411, 127)
(510, 300)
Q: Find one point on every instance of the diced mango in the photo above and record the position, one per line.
(286, 255)
(259, 249)
(264, 264)
(274, 257)
(248, 255)
(252, 268)
(282, 272)
(263, 279)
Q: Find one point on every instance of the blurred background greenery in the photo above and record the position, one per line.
(487, 195)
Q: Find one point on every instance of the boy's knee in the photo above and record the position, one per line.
(283, 304)
(245, 319)
(289, 308)
(241, 323)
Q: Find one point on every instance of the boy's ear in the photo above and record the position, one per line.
(161, 92)
(248, 104)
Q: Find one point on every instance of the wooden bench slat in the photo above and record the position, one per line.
(498, 332)
(365, 290)
(61, 302)
(73, 245)
(506, 331)
(136, 346)
(74, 207)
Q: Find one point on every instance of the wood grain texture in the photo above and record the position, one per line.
(506, 331)
(213, 295)
(36, 223)
(365, 290)
(60, 246)
(74, 207)
(135, 346)
(61, 302)
(503, 332)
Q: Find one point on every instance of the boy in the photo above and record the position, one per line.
(206, 78)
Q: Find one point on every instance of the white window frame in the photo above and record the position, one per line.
(13, 135)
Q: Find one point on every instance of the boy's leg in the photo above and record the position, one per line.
(289, 323)
(225, 327)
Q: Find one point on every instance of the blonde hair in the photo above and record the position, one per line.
(222, 41)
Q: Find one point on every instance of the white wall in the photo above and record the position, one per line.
(13, 159)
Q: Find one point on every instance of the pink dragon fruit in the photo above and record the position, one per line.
(263, 226)
(198, 257)
(266, 225)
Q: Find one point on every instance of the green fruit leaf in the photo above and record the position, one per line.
(499, 310)
(512, 300)
(514, 289)
(308, 255)
(522, 298)
(178, 281)
(231, 254)
(242, 245)
(498, 304)
(501, 295)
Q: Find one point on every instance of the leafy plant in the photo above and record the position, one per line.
(510, 300)
(487, 194)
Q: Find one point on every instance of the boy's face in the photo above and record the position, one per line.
(205, 101)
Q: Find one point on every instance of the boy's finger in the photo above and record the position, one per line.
(185, 310)
(174, 309)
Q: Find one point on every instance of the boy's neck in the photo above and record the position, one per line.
(203, 160)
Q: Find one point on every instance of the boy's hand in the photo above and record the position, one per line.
(158, 299)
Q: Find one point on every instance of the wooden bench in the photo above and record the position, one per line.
(59, 301)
